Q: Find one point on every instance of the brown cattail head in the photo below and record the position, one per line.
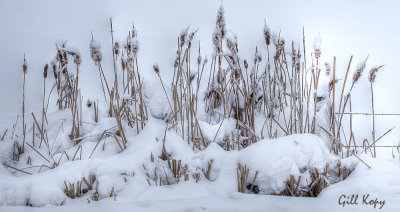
(372, 73)
(246, 65)
(294, 53)
(237, 75)
(156, 68)
(75, 54)
(190, 39)
(123, 62)
(45, 71)
(267, 33)
(183, 36)
(327, 69)
(217, 39)
(25, 66)
(360, 69)
(257, 56)
(134, 31)
(317, 46)
(116, 47)
(331, 84)
(220, 22)
(95, 51)
(54, 67)
(232, 44)
(199, 59)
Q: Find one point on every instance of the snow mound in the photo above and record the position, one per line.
(277, 159)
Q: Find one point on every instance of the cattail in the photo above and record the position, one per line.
(317, 46)
(182, 36)
(134, 31)
(135, 47)
(331, 84)
(267, 33)
(95, 51)
(75, 54)
(156, 68)
(279, 46)
(116, 47)
(231, 44)
(220, 22)
(327, 69)
(246, 65)
(236, 72)
(199, 59)
(294, 53)
(360, 69)
(54, 67)
(257, 56)
(25, 66)
(217, 38)
(372, 73)
(123, 62)
(190, 39)
(45, 71)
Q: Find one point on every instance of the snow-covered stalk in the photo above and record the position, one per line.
(25, 70)
(46, 67)
(332, 86)
(95, 53)
(372, 77)
(114, 59)
(340, 103)
(157, 71)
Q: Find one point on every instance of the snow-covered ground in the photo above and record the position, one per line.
(358, 28)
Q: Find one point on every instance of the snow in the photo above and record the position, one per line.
(33, 28)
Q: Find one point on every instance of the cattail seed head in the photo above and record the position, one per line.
(327, 69)
(156, 68)
(294, 53)
(116, 47)
(267, 33)
(54, 67)
(134, 31)
(220, 22)
(199, 59)
(95, 51)
(237, 75)
(231, 44)
(257, 56)
(190, 39)
(317, 46)
(372, 73)
(123, 62)
(360, 69)
(246, 65)
(75, 54)
(217, 40)
(45, 71)
(331, 84)
(182, 37)
(25, 66)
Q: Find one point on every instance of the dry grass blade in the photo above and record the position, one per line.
(16, 169)
(340, 143)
